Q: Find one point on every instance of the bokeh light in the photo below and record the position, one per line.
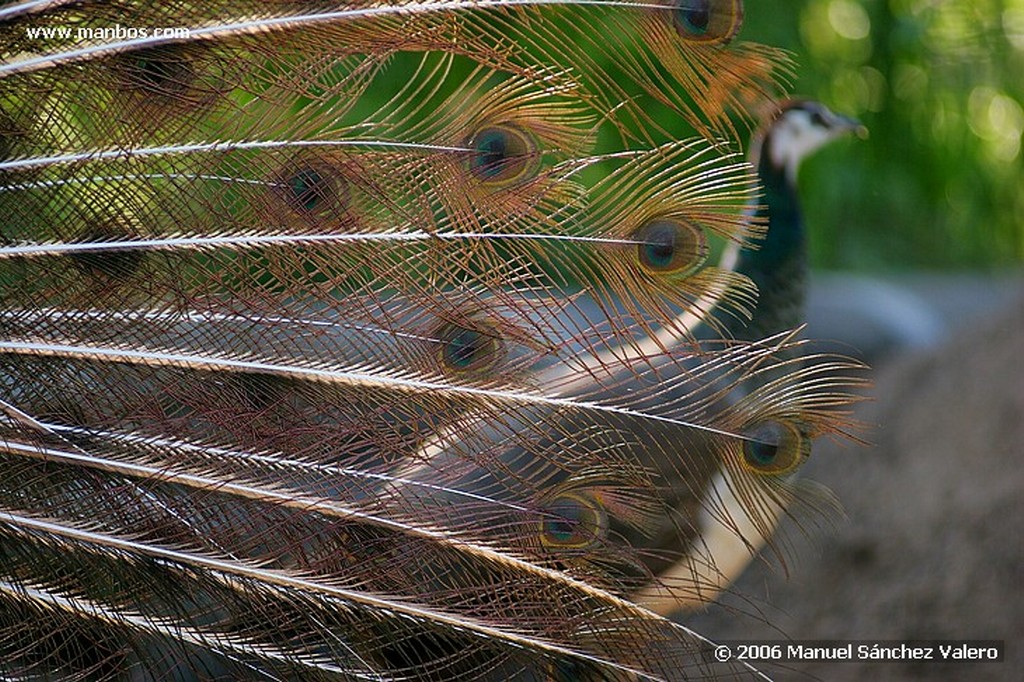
(940, 182)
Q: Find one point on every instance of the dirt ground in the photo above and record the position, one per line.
(931, 546)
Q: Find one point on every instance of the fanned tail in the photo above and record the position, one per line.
(339, 342)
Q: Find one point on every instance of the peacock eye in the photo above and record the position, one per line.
(502, 154)
(708, 21)
(566, 671)
(307, 189)
(670, 246)
(160, 71)
(573, 522)
(774, 448)
(311, 189)
(113, 265)
(468, 350)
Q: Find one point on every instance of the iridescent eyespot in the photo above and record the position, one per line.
(164, 71)
(774, 447)
(708, 21)
(307, 189)
(502, 154)
(670, 246)
(468, 350)
(312, 189)
(573, 521)
(567, 671)
(258, 392)
(109, 264)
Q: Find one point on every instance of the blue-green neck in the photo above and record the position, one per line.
(781, 206)
(779, 266)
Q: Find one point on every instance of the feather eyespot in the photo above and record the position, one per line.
(307, 189)
(468, 350)
(566, 671)
(110, 264)
(257, 392)
(708, 21)
(164, 85)
(670, 246)
(502, 154)
(573, 521)
(774, 447)
(163, 71)
(312, 189)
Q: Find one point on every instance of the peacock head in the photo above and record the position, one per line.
(800, 128)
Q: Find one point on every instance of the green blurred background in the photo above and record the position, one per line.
(940, 84)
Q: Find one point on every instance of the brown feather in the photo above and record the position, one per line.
(337, 343)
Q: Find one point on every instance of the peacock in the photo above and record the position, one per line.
(794, 130)
(382, 341)
(777, 264)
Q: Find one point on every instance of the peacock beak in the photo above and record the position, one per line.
(844, 125)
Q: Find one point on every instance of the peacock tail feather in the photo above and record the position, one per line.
(384, 341)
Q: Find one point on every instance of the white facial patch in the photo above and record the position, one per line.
(794, 137)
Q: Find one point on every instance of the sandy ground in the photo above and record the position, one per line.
(931, 546)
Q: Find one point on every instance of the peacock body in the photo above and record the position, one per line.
(794, 130)
(382, 340)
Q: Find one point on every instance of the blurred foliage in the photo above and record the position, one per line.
(940, 182)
